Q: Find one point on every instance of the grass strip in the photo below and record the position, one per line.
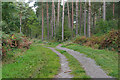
(75, 66)
(37, 62)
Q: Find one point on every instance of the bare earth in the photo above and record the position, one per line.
(65, 70)
(89, 65)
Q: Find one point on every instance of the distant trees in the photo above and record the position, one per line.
(15, 17)
(88, 21)
(58, 22)
(22, 9)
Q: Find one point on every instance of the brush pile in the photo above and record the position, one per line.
(15, 40)
(108, 41)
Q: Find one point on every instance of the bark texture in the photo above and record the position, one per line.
(47, 21)
(76, 17)
(85, 20)
(104, 10)
(72, 18)
(89, 20)
(68, 15)
(63, 22)
(42, 23)
(80, 17)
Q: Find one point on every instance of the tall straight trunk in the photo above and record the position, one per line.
(58, 13)
(30, 33)
(52, 17)
(68, 15)
(20, 22)
(72, 18)
(89, 20)
(104, 10)
(93, 20)
(63, 22)
(54, 22)
(0, 20)
(93, 29)
(47, 21)
(113, 9)
(85, 20)
(80, 16)
(99, 16)
(42, 23)
(76, 17)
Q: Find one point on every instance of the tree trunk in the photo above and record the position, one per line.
(93, 29)
(58, 13)
(42, 23)
(76, 17)
(72, 18)
(54, 22)
(63, 22)
(68, 15)
(85, 20)
(20, 22)
(89, 20)
(47, 21)
(99, 16)
(104, 10)
(80, 16)
(52, 17)
(113, 9)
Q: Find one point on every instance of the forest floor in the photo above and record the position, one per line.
(61, 62)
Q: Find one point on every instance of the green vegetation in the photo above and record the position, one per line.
(75, 66)
(12, 55)
(108, 60)
(37, 62)
(103, 27)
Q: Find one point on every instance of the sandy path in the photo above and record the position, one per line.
(65, 70)
(89, 65)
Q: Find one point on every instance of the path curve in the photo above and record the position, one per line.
(89, 65)
(65, 70)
